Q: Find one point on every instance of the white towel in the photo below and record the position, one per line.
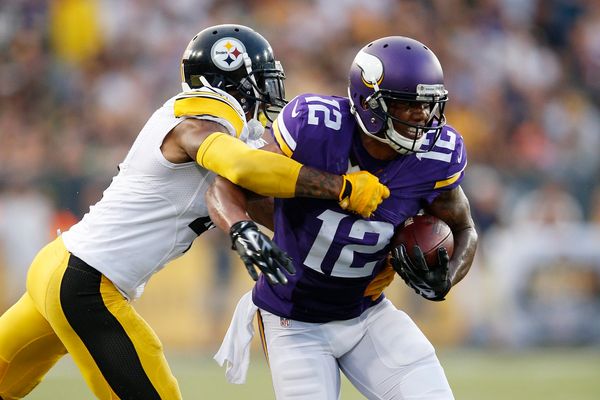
(235, 349)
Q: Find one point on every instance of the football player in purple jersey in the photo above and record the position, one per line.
(327, 318)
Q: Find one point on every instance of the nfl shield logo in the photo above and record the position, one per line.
(284, 322)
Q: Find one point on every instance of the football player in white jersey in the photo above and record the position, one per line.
(79, 286)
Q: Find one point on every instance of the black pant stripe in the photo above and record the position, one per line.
(102, 334)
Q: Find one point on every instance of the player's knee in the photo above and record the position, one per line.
(10, 389)
(3, 367)
(23, 392)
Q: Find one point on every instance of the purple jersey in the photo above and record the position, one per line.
(337, 253)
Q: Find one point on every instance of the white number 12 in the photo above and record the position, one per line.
(343, 265)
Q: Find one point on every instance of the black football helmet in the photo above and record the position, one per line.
(240, 61)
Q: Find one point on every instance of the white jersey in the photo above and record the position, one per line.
(153, 209)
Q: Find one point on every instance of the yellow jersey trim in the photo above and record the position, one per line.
(449, 181)
(282, 144)
(214, 106)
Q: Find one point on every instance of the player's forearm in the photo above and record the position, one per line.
(261, 211)
(465, 244)
(454, 209)
(265, 172)
(319, 184)
(275, 175)
(262, 172)
(226, 204)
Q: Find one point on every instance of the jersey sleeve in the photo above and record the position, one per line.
(288, 125)
(442, 168)
(315, 130)
(458, 159)
(212, 104)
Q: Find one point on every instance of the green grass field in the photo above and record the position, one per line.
(474, 375)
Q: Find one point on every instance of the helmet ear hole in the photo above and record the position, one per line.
(246, 86)
(373, 104)
(195, 81)
(363, 103)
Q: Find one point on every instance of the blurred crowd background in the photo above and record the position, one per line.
(79, 78)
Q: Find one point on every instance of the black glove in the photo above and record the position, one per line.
(433, 283)
(256, 249)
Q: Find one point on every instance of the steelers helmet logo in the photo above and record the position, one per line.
(227, 52)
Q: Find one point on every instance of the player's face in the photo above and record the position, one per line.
(413, 113)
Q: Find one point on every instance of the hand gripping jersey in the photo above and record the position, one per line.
(336, 253)
(153, 209)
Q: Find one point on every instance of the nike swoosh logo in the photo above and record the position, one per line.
(295, 113)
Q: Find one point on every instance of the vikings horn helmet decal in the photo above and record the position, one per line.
(371, 68)
(401, 69)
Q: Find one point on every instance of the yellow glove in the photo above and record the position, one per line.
(362, 193)
(382, 280)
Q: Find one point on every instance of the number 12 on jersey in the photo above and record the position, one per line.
(346, 265)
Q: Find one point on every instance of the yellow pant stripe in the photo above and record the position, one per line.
(263, 339)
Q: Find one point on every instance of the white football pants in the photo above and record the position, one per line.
(382, 352)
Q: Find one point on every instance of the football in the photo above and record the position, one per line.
(427, 232)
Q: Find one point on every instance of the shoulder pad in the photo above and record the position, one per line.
(307, 115)
(211, 102)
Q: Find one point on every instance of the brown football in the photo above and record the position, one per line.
(427, 232)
